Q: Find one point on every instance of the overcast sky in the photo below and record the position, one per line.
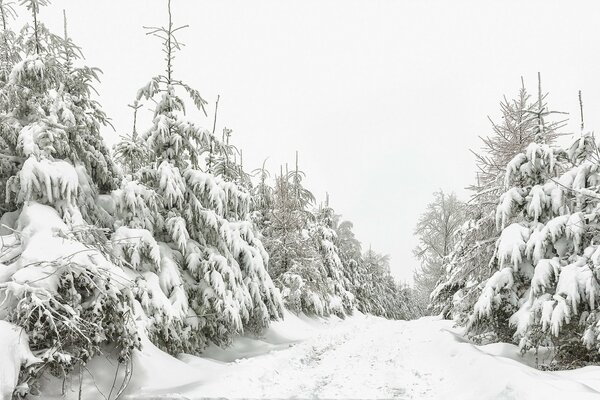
(383, 99)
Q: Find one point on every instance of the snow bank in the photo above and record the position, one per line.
(499, 372)
(156, 374)
(15, 352)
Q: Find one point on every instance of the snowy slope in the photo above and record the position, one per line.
(360, 357)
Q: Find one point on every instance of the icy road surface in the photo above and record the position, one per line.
(357, 358)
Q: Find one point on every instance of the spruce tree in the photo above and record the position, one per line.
(131, 151)
(202, 229)
(524, 120)
(59, 281)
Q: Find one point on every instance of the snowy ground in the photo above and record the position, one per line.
(361, 357)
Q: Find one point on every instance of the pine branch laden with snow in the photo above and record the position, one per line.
(67, 295)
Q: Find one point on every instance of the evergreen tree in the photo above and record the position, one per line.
(472, 259)
(325, 238)
(546, 288)
(203, 230)
(378, 294)
(131, 151)
(295, 263)
(59, 280)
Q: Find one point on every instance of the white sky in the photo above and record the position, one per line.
(382, 99)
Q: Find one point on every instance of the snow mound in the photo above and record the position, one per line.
(15, 352)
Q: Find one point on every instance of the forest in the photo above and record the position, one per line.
(166, 235)
(167, 239)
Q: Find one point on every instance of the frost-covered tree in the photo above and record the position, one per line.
(546, 287)
(317, 260)
(435, 232)
(226, 161)
(341, 301)
(523, 120)
(519, 125)
(305, 262)
(295, 265)
(52, 113)
(131, 151)
(204, 256)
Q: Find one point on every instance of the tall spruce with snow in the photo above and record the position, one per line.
(541, 226)
(548, 253)
(58, 280)
(199, 251)
(471, 261)
(131, 151)
(284, 221)
(322, 231)
(304, 261)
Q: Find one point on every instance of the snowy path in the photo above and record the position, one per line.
(369, 357)
(361, 357)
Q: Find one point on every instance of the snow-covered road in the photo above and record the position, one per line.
(360, 357)
(368, 357)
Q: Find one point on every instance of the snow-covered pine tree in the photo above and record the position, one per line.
(227, 161)
(550, 237)
(350, 253)
(471, 260)
(9, 53)
(263, 196)
(295, 239)
(285, 221)
(317, 261)
(325, 238)
(202, 247)
(58, 279)
(131, 150)
(531, 219)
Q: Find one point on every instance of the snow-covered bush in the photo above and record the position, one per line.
(15, 355)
